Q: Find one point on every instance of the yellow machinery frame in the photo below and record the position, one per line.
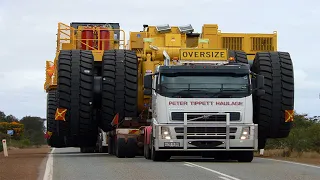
(69, 38)
(149, 45)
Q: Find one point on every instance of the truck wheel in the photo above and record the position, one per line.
(222, 156)
(55, 140)
(159, 155)
(239, 56)
(147, 151)
(132, 148)
(121, 148)
(245, 156)
(75, 86)
(104, 149)
(119, 86)
(110, 145)
(269, 110)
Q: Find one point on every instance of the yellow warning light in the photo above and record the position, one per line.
(231, 58)
(175, 58)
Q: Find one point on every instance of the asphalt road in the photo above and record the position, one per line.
(69, 164)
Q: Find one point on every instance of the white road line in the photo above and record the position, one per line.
(224, 178)
(289, 162)
(49, 167)
(189, 165)
(211, 170)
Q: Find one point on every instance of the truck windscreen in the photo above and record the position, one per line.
(204, 85)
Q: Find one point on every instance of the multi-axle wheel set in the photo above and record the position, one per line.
(92, 93)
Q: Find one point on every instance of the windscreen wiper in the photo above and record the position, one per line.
(185, 94)
(227, 92)
(200, 92)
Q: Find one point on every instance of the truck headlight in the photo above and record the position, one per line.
(245, 133)
(165, 133)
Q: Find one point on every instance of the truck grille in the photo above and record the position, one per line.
(206, 130)
(206, 137)
(179, 116)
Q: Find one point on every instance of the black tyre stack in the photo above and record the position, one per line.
(270, 109)
(119, 96)
(119, 86)
(74, 93)
(239, 56)
(55, 140)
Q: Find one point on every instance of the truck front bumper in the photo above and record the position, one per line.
(205, 136)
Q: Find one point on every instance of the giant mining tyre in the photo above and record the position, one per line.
(239, 56)
(75, 93)
(269, 110)
(119, 86)
(55, 140)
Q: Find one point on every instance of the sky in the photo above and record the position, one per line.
(28, 37)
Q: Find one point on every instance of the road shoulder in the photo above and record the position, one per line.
(23, 163)
(307, 161)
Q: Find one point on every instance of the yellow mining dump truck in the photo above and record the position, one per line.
(171, 91)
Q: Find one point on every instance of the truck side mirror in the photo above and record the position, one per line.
(147, 83)
(258, 85)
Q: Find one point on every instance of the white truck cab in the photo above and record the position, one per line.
(203, 107)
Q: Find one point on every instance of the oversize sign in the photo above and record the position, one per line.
(204, 54)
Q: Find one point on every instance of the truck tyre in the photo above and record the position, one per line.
(119, 86)
(121, 148)
(269, 110)
(75, 86)
(111, 145)
(159, 155)
(222, 156)
(245, 156)
(147, 151)
(239, 56)
(132, 148)
(55, 140)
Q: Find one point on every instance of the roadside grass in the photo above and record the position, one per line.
(23, 143)
(310, 157)
(20, 144)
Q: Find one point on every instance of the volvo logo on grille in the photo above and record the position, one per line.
(206, 117)
(202, 117)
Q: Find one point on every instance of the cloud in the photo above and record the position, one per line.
(22, 93)
(28, 37)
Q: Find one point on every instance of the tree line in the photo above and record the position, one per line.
(26, 131)
(304, 136)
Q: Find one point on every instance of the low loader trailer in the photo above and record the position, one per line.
(169, 91)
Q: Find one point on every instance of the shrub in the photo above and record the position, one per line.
(304, 136)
